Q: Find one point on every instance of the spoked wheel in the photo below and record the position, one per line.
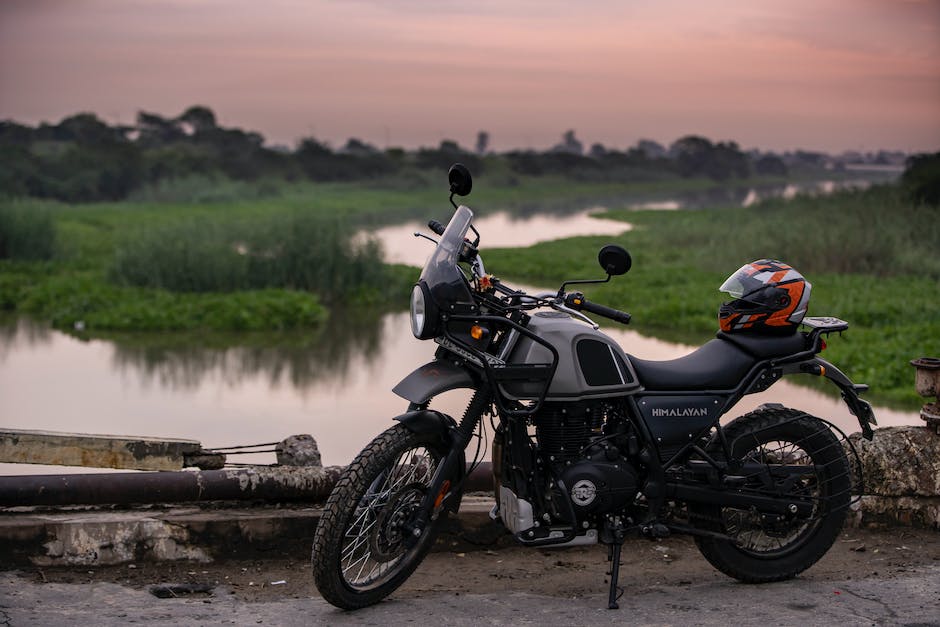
(364, 547)
(789, 455)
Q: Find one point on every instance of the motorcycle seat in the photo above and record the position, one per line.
(767, 346)
(716, 365)
(719, 364)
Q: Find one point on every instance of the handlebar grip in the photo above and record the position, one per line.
(580, 303)
(436, 226)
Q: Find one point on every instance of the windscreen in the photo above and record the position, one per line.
(444, 279)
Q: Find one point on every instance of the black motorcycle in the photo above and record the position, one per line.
(591, 443)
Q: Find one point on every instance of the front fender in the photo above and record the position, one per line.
(428, 421)
(432, 379)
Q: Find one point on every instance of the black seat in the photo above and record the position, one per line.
(717, 365)
(767, 346)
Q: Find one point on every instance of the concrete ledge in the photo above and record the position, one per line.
(903, 511)
(99, 538)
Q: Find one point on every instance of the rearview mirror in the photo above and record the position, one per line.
(615, 260)
(460, 180)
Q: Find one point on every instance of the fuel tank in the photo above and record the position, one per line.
(590, 364)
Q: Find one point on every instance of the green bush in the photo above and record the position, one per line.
(26, 231)
(87, 303)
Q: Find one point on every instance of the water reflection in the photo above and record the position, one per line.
(17, 333)
(499, 230)
(297, 359)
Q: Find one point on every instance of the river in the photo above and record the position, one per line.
(260, 388)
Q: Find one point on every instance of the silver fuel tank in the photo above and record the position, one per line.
(590, 364)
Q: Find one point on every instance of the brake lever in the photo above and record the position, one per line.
(576, 314)
(430, 239)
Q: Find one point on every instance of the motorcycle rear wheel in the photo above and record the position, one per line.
(362, 551)
(765, 549)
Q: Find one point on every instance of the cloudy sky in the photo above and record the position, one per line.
(818, 74)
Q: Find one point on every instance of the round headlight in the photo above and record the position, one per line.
(418, 312)
(423, 313)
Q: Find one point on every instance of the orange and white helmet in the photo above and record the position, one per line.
(769, 297)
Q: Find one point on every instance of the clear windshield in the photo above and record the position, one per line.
(444, 279)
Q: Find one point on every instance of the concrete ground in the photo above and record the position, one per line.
(913, 599)
(53, 572)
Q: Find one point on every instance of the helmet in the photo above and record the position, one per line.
(770, 297)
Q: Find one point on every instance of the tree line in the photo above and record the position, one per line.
(83, 159)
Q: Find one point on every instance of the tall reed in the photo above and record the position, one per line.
(302, 251)
(26, 231)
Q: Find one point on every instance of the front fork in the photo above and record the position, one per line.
(450, 474)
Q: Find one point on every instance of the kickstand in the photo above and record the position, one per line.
(616, 536)
(614, 557)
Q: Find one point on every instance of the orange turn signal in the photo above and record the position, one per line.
(477, 332)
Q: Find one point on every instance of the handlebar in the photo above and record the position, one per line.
(578, 302)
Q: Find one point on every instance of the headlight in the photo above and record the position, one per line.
(419, 314)
(424, 315)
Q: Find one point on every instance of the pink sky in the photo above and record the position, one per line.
(818, 74)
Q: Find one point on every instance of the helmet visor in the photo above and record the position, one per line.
(742, 282)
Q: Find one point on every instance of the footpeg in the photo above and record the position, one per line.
(655, 530)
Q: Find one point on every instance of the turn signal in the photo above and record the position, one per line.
(477, 332)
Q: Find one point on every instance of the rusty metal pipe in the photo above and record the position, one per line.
(262, 483)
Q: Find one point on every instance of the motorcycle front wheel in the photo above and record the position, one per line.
(798, 456)
(362, 550)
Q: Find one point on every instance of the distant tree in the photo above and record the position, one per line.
(85, 128)
(358, 147)
(12, 133)
(651, 149)
(446, 155)
(697, 156)
(597, 151)
(691, 154)
(483, 142)
(200, 118)
(770, 165)
(921, 178)
(155, 129)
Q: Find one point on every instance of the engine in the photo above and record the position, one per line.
(587, 445)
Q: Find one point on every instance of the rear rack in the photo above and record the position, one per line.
(825, 324)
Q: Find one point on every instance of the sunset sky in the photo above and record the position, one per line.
(827, 75)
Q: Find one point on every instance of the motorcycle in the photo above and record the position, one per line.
(590, 443)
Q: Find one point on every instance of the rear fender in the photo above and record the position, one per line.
(861, 409)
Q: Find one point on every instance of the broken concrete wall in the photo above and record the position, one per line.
(901, 469)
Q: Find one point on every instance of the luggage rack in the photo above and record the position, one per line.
(825, 324)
